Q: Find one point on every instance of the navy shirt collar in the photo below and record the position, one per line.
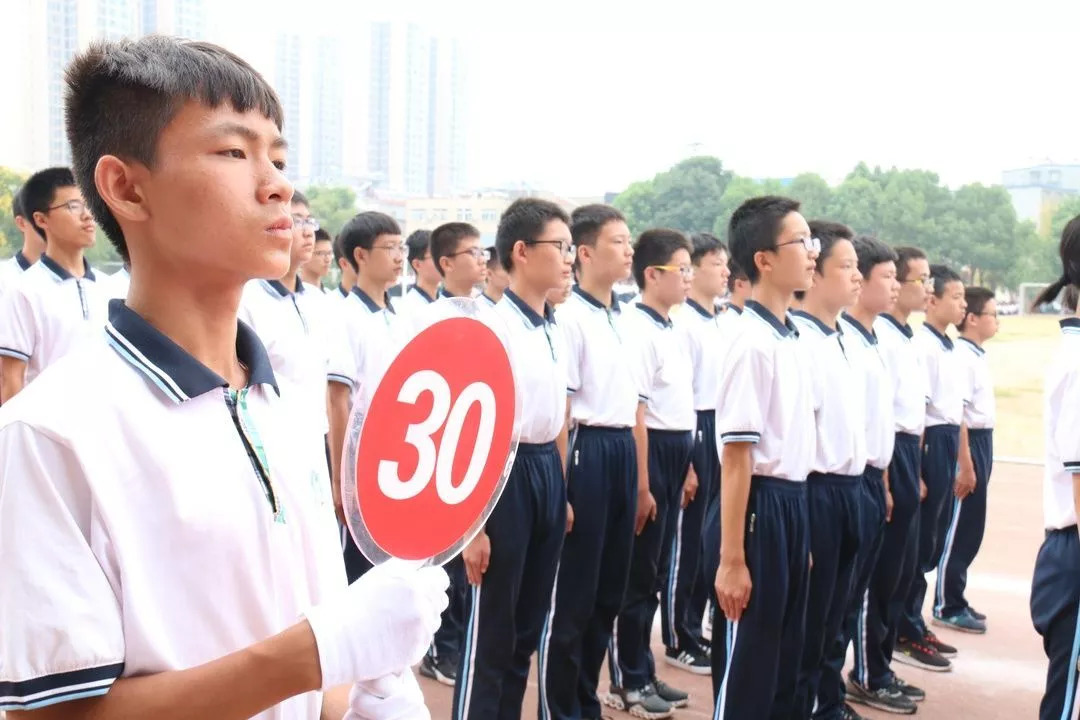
(23, 261)
(905, 330)
(825, 329)
(172, 368)
(488, 297)
(785, 328)
(1070, 325)
(422, 293)
(974, 346)
(444, 293)
(656, 317)
(341, 289)
(371, 304)
(596, 303)
(945, 340)
(701, 310)
(64, 274)
(734, 308)
(528, 312)
(276, 287)
(868, 334)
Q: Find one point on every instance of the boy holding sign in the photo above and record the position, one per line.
(511, 564)
(189, 570)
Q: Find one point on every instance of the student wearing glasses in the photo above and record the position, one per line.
(664, 374)
(372, 336)
(460, 257)
(765, 425)
(512, 563)
(57, 302)
(318, 267)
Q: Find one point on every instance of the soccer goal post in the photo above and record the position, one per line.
(1028, 293)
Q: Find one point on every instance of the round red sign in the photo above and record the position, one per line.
(435, 440)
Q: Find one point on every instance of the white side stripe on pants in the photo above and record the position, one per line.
(732, 633)
(950, 539)
(471, 632)
(545, 643)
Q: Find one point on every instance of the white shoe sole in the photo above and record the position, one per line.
(908, 660)
(615, 701)
(674, 662)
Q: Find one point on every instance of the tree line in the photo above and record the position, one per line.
(973, 227)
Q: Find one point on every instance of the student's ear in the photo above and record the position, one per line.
(41, 220)
(21, 223)
(444, 264)
(359, 257)
(118, 184)
(762, 262)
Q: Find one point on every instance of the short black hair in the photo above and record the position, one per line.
(656, 247)
(418, 242)
(339, 251)
(828, 233)
(38, 193)
(525, 221)
(587, 221)
(493, 258)
(321, 235)
(362, 231)
(705, 243)
(446, 238)
(299, 198)
(942, 275)
(736, 273)
(754, 227)
(871, 253)
(145, 83)
(16, 204)
(904, 255)
(976, 298)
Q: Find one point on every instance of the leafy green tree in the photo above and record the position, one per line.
(10, 237)
(811, 190)
(686, 197)
(1066, 211)
(332, 206)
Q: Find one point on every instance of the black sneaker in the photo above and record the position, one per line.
(441, 671)
(848, 713)
(677, 698)
(644, 703)
(976, 614)
(887, 699)
(688, 661)
(916, 694)
(962, 622)
(920, 655)
(944, 649)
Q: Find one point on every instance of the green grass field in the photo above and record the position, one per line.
(1018, 357)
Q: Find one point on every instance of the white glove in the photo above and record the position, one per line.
(395, 697)
(380, 625)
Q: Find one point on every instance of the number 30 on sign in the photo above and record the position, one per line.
(435, 442)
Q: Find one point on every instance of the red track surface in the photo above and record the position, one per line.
(998, 675)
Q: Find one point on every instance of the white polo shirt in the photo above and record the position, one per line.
(413, 303)
(839, 402)
(663, 370)
(371, 337)
(485, 299)
(295, 340)
(701, 328)
(539, 367)
(600, 377)
(11, 270)
(905, 366)
(48, 313)
(766, 396)
(980, 408)
(864, 354)
(944, 376)
(1061, 418)
(152, 519)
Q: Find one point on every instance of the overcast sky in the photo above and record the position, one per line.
(582, 97)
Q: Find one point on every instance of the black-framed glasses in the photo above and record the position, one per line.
(478, 253)
(569, 250)
(75, 207)
(812, 244)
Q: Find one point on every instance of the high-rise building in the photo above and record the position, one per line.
(416, 138)
(327, 143)
(52, 31)
(1037, 191)
(287, 83)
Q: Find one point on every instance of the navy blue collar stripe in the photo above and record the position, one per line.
(654, 316)
(596, 303)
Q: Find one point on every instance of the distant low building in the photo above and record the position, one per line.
(481, 209)
(1037, 191)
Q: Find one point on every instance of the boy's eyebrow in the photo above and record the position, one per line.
(234, 128)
